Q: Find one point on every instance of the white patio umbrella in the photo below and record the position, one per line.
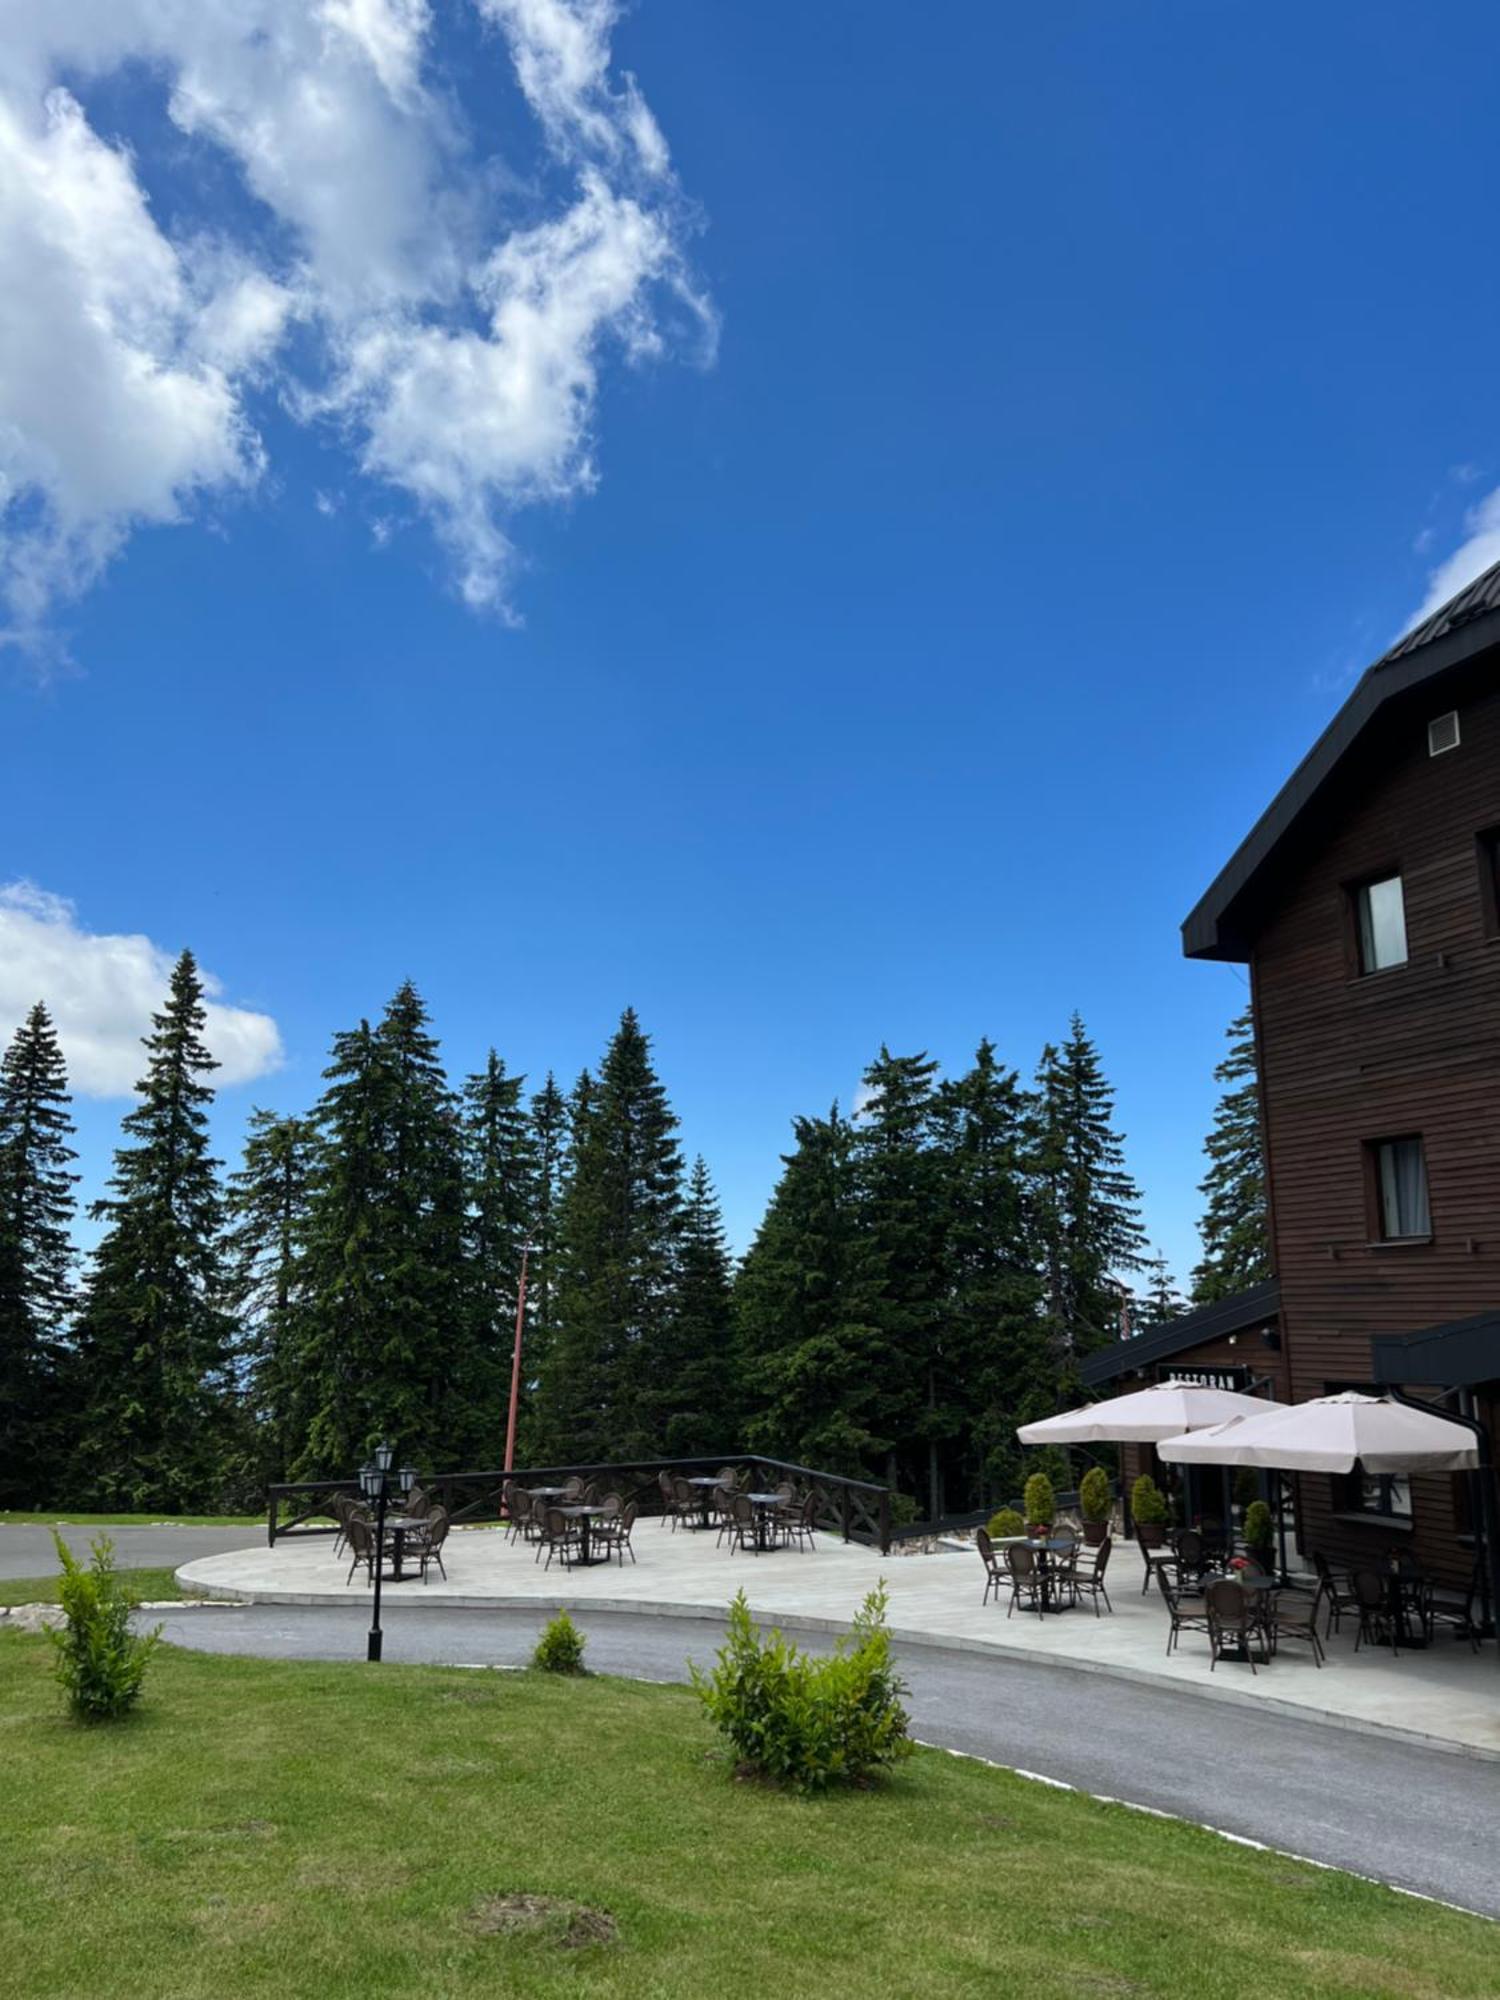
(1328, 1434)
(1144, 1416)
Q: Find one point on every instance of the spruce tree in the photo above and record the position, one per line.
(697, 1390)
(386, 1329)
(549, 1152)
(153, 1336)
(1087, 1208)
(900, 1180)
(1234, 1228)
(1157, 1298)
(268, 1205)
(619, 1226)
(36, 1258)
(804, 1312)
(997, 1366)
(500, 1174)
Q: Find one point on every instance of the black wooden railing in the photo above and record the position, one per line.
(854, 1508)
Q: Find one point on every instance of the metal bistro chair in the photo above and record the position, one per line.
(1062, 1570)
(362, 1545)
(1294, 1617)
(1455, 1608)
(743, 1534)
(430, 1548)
(1372, 1601)
(517, 1511)
(801, 1526)
(670, 1511)
(1162, 1555)
(559, 1538)
(1339, 1598)
(1025, 1581)
(613, 1529)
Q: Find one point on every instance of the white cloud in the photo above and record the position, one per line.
(450, 317)
(101, 991)
(1478, 550)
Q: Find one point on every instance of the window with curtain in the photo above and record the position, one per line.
(1401, 1188)
(1380, 910)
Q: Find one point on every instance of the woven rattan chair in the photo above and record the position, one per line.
(1062, 1571)
(801, 1525)
(1233, 1622)
(417, 1504)
(1088, 1575)
(361, 1538)
(1186, 1614)
(572, 1489)
(1294, 1616)
(517, 1511)
(1457, 1608)
(742, 1525)
(1338, 1597)
(1161, 1557)
(994, 1575)
(560, 1537)
(671, 1513)
(430, 1548)
(1372, 1602)
(613, 1530)
(1025, 1580)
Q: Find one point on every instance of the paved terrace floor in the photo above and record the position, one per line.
(1444, 1696)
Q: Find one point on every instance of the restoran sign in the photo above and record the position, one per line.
(1209, 1378)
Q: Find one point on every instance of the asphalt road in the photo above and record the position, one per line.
(1424, 1820)
(28, 1551)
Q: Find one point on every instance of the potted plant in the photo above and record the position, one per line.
(1040, 1503)
(1149, 1507)
(1006, 1525)
(1094, 1504)
(1258, 1533)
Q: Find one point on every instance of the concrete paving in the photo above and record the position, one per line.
(28, 1551)
(1446, 1697)
(1423, 1821)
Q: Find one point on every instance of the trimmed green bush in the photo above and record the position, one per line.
(560, 1648)
(1147, 1502)
(1006, 1523)
(1094, 1494)
(1040, 1502)
(1258, 1525)
(101, 1663)
(808, 1723)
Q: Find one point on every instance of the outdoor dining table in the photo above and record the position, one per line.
(1053, 1545)
(585, 1513)
(765, 1505)
(400, 1528)
(704, 1485)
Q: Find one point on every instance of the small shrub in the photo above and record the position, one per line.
(1006, 1523)
(1039, 1502)
(1148, 1502)
(1258, 1525)
(101, 1663)
(560, 1648)
(808, 1722)
(1094, 1494)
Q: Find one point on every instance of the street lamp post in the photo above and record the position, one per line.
(375, 1482)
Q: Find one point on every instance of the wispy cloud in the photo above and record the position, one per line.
(1477, 551)
(101, 990)
(450, 316)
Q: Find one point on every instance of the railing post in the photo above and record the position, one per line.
(271, 1519)
(844, 1509)
(885, 1521)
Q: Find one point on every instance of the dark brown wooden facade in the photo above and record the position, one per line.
(1350, 1058)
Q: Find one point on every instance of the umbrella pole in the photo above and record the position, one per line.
(1489, 1573)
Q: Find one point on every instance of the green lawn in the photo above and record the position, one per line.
(296, 1832)
(142, 1583)
(59, 1517)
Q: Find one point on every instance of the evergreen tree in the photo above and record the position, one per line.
(997, 1367)
(1235, 1226)
(36, 1257)
(549, 1150)
(697, 1394)
(619, 1226)
(1087, 1208)
(386, 1330)
(153, 1334)
(804, 1311)
(500, 1167)
(900, 1180)
(1157, 1298)
(268, 1207)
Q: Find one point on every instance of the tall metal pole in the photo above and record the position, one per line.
(373, 1653)
(515, 1365)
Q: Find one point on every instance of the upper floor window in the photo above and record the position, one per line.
(1401, 1189)
(1487, 847)
(1380, 912)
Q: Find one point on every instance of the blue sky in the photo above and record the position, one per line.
(1018, 431)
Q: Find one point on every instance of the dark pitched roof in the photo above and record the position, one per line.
(1460, 1352)
(1256, 1307)
(1466, 626)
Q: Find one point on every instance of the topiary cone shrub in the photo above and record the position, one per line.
(1095, 1501)
(1006, 1525)
(560, 1648)
(1258, 1529)
(1039, 1501)
(1148, 1505)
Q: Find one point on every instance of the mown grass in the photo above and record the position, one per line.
(143, 1584)
(60, 1518)
(284, 1831)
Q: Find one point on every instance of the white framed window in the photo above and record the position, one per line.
(1380, 912)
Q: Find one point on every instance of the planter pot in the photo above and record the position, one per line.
(1094, 1532)
(1152, 1533)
